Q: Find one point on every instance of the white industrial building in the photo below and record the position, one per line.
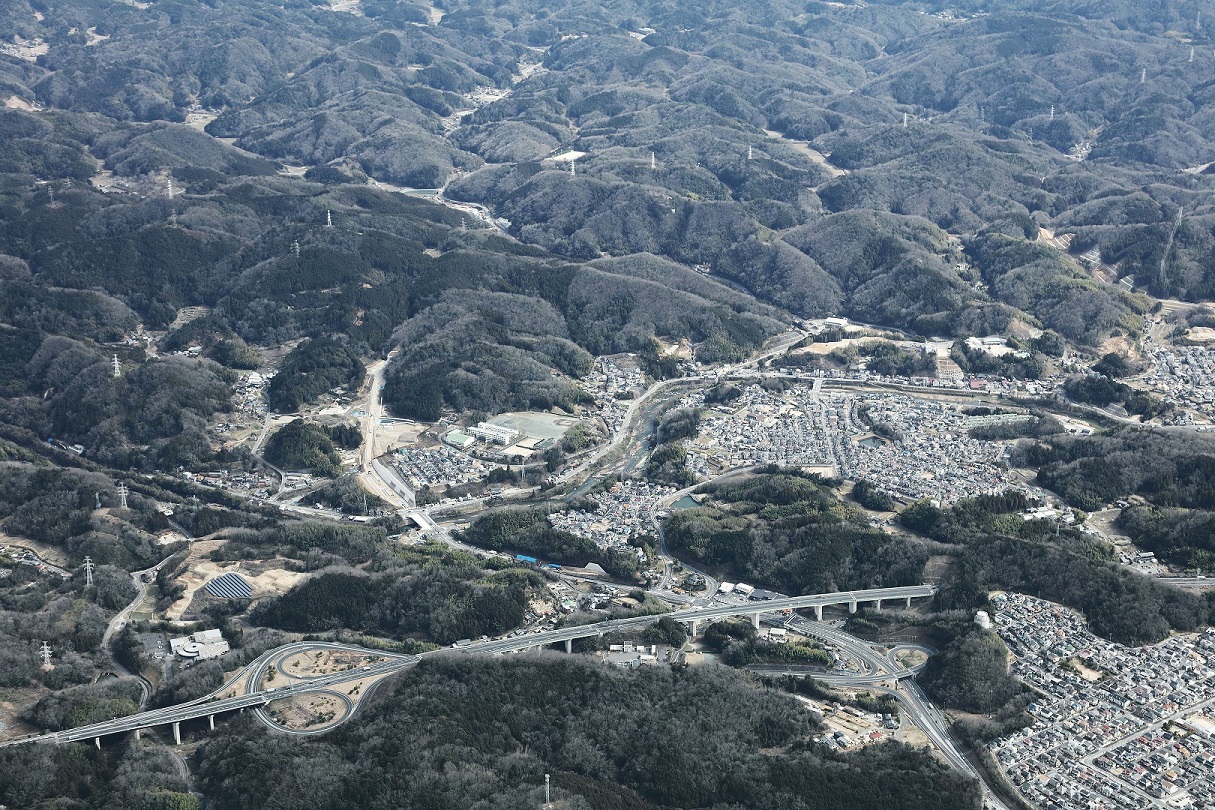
(200, 646)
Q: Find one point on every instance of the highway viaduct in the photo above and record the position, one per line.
(695, 616)
(212, 705)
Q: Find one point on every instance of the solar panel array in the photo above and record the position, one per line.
(229, 586)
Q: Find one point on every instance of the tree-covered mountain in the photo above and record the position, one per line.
(824, 158)
(459, 733)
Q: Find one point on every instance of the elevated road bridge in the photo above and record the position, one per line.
(257, 697)
(695, 616)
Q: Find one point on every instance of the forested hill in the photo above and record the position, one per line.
(895, 164)
(461, 733)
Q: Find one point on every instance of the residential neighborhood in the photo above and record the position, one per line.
(910, 446)
(1117, 727)
(624, 512)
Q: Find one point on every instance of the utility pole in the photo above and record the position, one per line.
(122, 495)
(88, 572)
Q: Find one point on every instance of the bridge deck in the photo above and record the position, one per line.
(203, 708)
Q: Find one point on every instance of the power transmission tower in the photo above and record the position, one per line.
(1191, 53)
(1143, 76)
(1052, 112)
(296, 247)
(547, 797)
(170, 188)
(117, 367)
(45, 652)
(750, 153)
(653, 162)
(122, 495)
(904, 120)
(88, 572)
(328, 218)
(573, 171)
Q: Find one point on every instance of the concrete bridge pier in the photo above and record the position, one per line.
(909, 603)
(852, 606)
(877, 605)
(177, 733)
(569, 646)
(211, 720)
(695, 628)
(818, 613)
(97, 742)
(755, 621)
(137, 734)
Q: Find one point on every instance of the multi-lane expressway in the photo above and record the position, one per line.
(224, 699)
(878, 672)
(694, 616)
(1198, 583)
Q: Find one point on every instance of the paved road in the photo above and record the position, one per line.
(1189, 583)
(120, 620)
(878, 671)
(393, 662)
(700, 614)
(25, 555)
